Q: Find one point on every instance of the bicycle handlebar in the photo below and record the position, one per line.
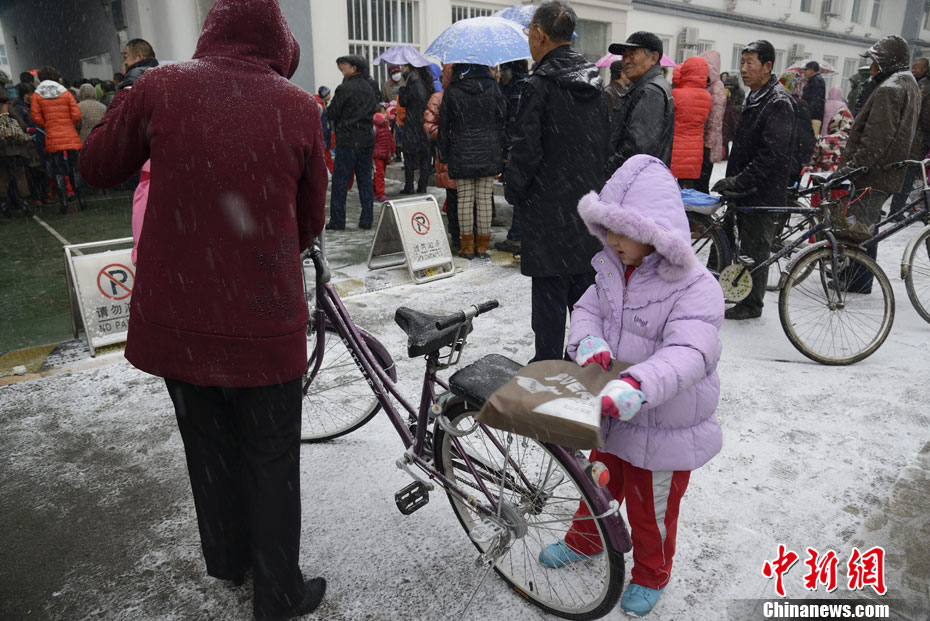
(464, 315)
(821, 185)
(905, 163)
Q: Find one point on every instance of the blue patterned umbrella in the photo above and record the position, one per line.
(481, 41)
(522, 14)
(401, 55)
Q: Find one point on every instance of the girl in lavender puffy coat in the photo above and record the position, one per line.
(655, 306)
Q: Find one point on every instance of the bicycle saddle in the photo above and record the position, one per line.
(422, 336)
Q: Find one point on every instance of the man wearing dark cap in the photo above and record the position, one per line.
(759, 163)
(559, 146)
(643, 121)
(814, 93)
(351, 113)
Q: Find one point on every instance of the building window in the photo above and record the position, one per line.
(779, 65)
(3, 58)
(855, 15)
(829, 80)
(737, 57)
(807, 6)
(375, 25)
(876, 14)
(850, 67)
(592, 38)
(927, 19)
(686, 52)
(465, 12)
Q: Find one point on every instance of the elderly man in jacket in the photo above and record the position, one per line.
(351, 113)
(218, 306)
(643, 121)
(814, 93)
(759, 163)
(557, 156)
(884, 132)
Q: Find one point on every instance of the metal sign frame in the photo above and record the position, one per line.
(79, 313)
(422, 244)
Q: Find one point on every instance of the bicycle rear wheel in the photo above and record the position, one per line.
(539, 514)
(339, 399)
(829, 326)
(918, 275)
(708, 242)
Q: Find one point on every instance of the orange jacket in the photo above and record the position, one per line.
(55, 109)
(692, 106)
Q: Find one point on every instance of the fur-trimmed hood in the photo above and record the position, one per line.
(642, 200)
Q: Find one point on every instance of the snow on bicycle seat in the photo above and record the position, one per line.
(422, 336)
(699, 202)
(477, 382)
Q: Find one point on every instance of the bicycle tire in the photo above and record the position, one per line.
(708, 242)
(787, 227)
(586, 589)
(917, 281)
(831, 328)
(339, 400)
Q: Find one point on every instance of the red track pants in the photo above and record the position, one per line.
(652, 501)
(380, 165)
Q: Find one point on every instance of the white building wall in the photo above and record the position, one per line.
(330, 23)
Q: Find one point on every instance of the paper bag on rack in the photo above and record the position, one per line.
(552, 401)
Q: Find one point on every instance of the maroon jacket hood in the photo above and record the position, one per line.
(250, 30)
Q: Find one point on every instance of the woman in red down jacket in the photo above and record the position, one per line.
(692, 106)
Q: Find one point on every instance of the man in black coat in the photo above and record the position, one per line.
(814, 94)
(643, 121)
(138, 57)
(557, 156)
(350, 114)
(759, 163)
(513, 76)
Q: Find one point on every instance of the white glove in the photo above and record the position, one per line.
(593, 349)
(620, 400)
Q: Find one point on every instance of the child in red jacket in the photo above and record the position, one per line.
(384, 151)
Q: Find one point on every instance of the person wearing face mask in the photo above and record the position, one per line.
(391, 86)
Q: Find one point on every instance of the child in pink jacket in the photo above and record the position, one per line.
(139, 200)
(653, 305)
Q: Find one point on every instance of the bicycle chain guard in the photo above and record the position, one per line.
(736, 286)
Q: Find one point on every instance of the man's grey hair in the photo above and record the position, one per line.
(557, 19)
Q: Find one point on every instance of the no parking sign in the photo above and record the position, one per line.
(101, 287)
(411, 231)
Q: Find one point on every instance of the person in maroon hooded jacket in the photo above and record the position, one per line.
(218, 308)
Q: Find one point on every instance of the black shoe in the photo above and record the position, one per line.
(314, 590)
(364, 227)
(740, 312)
(508, 245)
(406, 192)
(332, 227)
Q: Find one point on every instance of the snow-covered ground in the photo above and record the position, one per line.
(98, 521)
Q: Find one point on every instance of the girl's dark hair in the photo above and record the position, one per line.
(48, 73)
(516, 66)
(24, 88)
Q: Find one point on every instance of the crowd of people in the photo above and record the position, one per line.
(595, 177)
(44, 129)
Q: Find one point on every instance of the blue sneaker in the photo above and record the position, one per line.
(557, 555)
(638, 601)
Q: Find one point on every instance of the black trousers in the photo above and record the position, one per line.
(410, 161)
(755, 233)
(707, 168)
(243, 457)
(552, 297)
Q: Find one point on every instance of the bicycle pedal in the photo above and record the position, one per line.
(412, 497)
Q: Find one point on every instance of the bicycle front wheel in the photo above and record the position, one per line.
(831, 326)
(538, 494)
(708, 242)
(338, 400)
(918, 275)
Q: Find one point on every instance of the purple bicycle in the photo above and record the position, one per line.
(513, 495)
